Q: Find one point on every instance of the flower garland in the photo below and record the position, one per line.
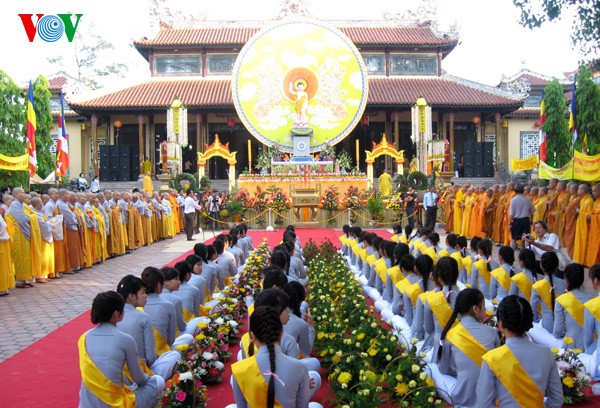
(572, 373)
(278, 202)
(365, 363)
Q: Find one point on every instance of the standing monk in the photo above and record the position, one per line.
(542, 205)
(459, 204)
(7, 269)
(448, 207)
(568, 235)
(488, 213)
(552, 202)
(52, 212)
(510, 193)
(498, 233)
(581, 228)
(592, 255)
(46, 243)
(556, 217)
(467, 211)
(21, 240)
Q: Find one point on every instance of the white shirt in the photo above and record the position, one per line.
(190, 205)
(429, 200)
(95, 187)
(3, 232)
(549, 238)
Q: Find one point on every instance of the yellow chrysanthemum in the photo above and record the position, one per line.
(577, 351)
(489, 313)
(344, 377)
(320, 335)
(336, 359)
(568, 381)
(182, 347)
(568, 340)
(401, 389)
(429, 381)
(372, 351)
(370, 376)
(554, 350)
(360, 336)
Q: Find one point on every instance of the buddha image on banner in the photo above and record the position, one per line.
(300, 74)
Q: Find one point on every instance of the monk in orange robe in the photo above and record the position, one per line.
(459, 205)
(488, 213)
(581, 228)
(568, 236)
(553, 193)
(592, 255)
(498, 234)
(556, 217)
(475, 221)
(467, 211)
(448, 208)
(541, 205)
(510, 193)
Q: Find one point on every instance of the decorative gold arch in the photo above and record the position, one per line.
(217, 149)
(383, 148)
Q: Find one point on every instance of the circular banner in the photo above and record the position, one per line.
(300, 73)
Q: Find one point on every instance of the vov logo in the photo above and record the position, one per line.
(50, 28)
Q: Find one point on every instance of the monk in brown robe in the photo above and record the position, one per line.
(498, 233)
(488, 213)
(552, 202)
(582, 238)
(568, 235)
(448, 207)
(556, 217)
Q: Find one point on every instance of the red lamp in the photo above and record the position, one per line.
(231, 122)
(365, 120)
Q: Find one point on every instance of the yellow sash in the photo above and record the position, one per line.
(103, 388)
(483, 270)
(543, 289)
(395, 274)
(443, 253)
(371, 259)
(467, 262)
(413, 291)
(402, 285)
(502, 278)
(250, 309)
(394, 238)
(440, 307)
(363, 254)
(343, 240)
(593, 306)
(514, 378)
(523, 283)
(251, 382)
(572, 305)
(462, 339)
(246, 342)
(143, 366)
(403, 239)
(161, 344)
(432, 254)
(456, 255)
(381, 269)
(187, 315)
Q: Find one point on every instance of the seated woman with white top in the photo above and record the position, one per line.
(520, 373)
(481, 271)
(569, 310)
(423, 267)
(522, 282)
(103, 353)
(270, 377)
(545, 291)
(139, 326)
(591, 324)
(407, 268)
(300, 326)
(464, 344)
(501, 276)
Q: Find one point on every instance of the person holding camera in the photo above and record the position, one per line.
(520, 214)
(213, 205)
(546, 242)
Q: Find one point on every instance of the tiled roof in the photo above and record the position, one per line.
(534, 79)
(526, 112)
(57, 84)
(240, 35)
(388, 91)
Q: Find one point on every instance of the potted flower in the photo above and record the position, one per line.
(375, 206)
(343, 161)
(328, 153)
(235, 208)
(263, 162)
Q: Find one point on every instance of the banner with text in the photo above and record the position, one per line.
(529, 163)
(564, 173)
(586, 168)
(14, 163)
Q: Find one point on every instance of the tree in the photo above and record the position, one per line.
(90, 61)
(556, 126)
(43, 117)
(12, 121)
(586, 24)
(587, 104)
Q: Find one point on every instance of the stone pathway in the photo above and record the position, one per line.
(27, 315)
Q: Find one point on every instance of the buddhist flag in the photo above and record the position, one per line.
(572, 116)
(543, 154)
(31, 133)
(62, 147)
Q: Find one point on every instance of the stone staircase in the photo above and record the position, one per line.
(477, 181)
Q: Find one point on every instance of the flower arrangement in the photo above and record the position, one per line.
(207, 354)
(353, 201)
(260, 205)
(572, 374)
(278, 202)
(329, 200)
(344, 160)
(365, 365)
(184, 390)
(492, 320)
(243, 196)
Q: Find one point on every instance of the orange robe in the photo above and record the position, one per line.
(61, 256)
(466, 220)
(498, 234)
(581, 230)
(488, 216)
(475, 224)
(448, 208)
(507, 234)
(550, 207)
(101, 251)
(568, 237)
(458, 211)
(540, 209)
(592, 255)
(557, 216)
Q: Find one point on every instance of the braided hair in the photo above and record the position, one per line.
(273, 276)
(574, 275)
(275, 298)
(267, 328)
(515, 314)
(200, 250)
(474, 244)
(407, 262)
(399, 251)
(423, 266)
(549, 265)
(281, 259)
(434, 238)
(297, 294)
(105, 304)
(527, 257)
(346, 229)
(485, 246)
(466, 299)
(461, 241)
(508, 256)
(389, 248)
(152, 277)
(184, 268)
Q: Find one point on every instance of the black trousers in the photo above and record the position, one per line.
(430, 216)
(188, 224)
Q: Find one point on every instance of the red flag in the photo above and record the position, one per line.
(31, 125)
(543, 153)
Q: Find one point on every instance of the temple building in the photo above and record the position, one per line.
(403, 61)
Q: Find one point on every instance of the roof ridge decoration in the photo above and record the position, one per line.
(517, 93)
(294, 8)
(525, 71)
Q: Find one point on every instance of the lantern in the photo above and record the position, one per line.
(365, 120)
(476, 120)
(230, 122)
(164, 156)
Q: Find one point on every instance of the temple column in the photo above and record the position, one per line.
(95, 142)
(499, 152)
(141, 140)
(396, 117)
(451, 137)
(199, 121)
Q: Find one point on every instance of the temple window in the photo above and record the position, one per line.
(375, 63)
(530, 144)
(189, 64)
(220, 64)
(413, 64)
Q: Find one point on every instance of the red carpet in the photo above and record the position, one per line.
(46, 374)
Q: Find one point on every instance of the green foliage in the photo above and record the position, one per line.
(182, 179)
(46, 161)
(556, 126)
(344, 161)
(418, 180)
(234, 207)
(375, 206)
(12, 121)
(588, 111)
(204, 183)
(586, 14)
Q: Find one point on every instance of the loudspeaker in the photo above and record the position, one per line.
(488, 171)
(467, 148)
(468, 160)
(488, 148)
(104, 164)
(478, 147)
(469, 171)
(478, 160)
(112, 175)
(123, 175)
(104, 152)
(104, 174)
(113, 151)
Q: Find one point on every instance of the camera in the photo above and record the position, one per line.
(528, 236)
